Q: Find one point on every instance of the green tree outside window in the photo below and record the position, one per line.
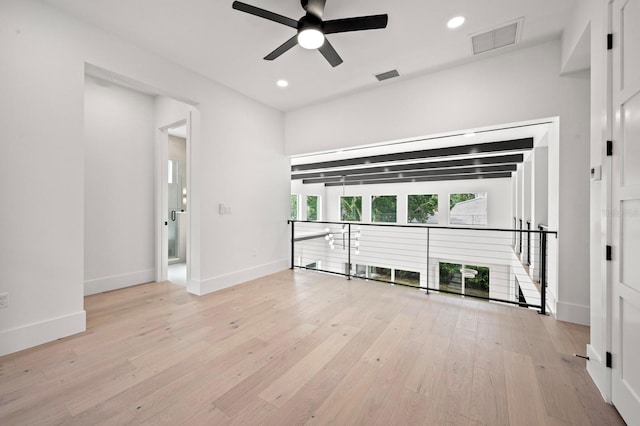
(383, 208)
(351, 209)
(294, 207)
(312, 207)
(422, 208)
(457, 198)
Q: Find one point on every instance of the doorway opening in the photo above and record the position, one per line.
(177, 205)
(174, 208)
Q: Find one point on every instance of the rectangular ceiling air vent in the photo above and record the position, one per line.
(502, 36)
(387, 75)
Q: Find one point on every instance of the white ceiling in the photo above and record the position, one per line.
(212, 39)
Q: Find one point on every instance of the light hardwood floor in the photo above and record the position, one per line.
(299, 347)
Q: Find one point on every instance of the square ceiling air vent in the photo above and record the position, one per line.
(387, 75)
(496, 38)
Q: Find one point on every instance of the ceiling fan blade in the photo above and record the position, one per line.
(315, 7)
(360, 23)
(330, 53)
(243, 7)
(283, 48)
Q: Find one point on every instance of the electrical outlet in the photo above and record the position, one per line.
(4, 300)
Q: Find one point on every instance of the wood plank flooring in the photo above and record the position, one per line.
(300, 347)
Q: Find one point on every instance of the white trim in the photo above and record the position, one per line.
(229, 280)
(27, 336)
(569, 312)
(115, 282)
(600, 374)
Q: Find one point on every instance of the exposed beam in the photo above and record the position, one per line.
(503, 146)
(423, 179)
(416, 173)
(497, 159)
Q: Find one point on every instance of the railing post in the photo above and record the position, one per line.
(543, 273)
(349, 253)
(428, 233)
(292, 241)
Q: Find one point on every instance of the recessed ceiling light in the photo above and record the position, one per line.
(282, 83)
(455, 22)
(469, 135)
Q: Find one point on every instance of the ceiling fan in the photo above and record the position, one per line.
(311, 29)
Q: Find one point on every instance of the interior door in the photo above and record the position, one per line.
(625, 192)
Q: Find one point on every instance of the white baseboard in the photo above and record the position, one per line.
(569, 312)
(600, 374)
(27, 336)
(100, 285)
(228, 280)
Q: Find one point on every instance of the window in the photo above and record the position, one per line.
(407, 277)
(383, 208)
(422, 208)
(294, 207)
(312, 207)
(351, 209)
(376, 273)
(468, 209)
(361, 271)
(464, 279)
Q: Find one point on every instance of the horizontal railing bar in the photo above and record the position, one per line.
(395, 225)
(529, 305)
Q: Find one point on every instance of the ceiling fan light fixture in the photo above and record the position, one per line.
(310, 38)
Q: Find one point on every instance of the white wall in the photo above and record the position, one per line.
(526, 205)
(517, 86)
(540, 185)
(42, 174)
(43, 67)
(119, 187)
(317, 189)
(520, 179)
(539, 193)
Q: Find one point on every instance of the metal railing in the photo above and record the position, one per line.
(469, 261)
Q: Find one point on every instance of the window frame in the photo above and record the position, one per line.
(373, 198)
(318, 208)
(435, 213)
(342, 219)
(472, 225)
(297, 209)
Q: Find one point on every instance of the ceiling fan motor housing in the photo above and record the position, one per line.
(310, 22)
